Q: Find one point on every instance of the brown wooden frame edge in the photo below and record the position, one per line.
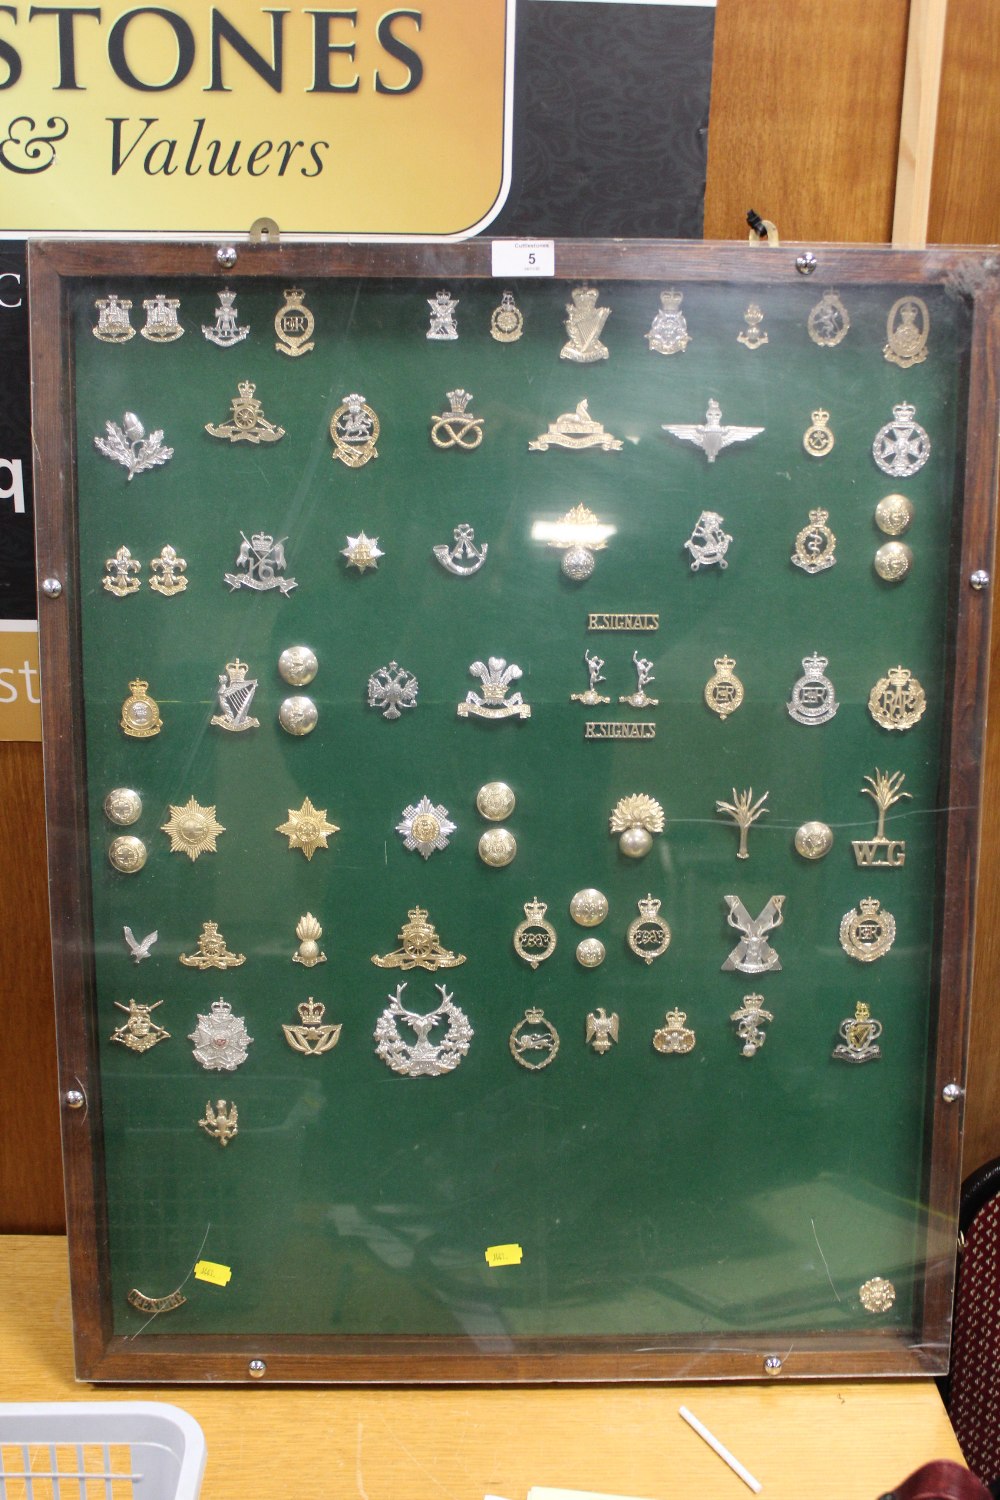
(102, 1356)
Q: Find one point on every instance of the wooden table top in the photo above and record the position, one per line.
(828, 1439)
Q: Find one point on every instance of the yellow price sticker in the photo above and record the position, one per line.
(209, 1270)
(503, 1255)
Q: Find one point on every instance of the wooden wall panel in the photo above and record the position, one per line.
(805, 125)
(805, 117)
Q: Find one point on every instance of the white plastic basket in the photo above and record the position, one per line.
(115, 1450)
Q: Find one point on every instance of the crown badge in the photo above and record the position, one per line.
(648, 935)
(534, 938)
(869, 933)
(226, 329)
(140, 714)
(247, 423)
(897, 701)
(815, 545)
(901, 447)
(311, 1037)
(534, 1049)
(818, 440)
(668, 333)
(813, 699)
(724, 691)
(675, 1036)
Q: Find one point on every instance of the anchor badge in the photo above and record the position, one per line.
(463, 558)
(753, 954)
(457, 427)
(248, 425)
(225, 331)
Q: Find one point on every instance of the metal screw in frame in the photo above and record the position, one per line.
(256, 1369)
(51, 588)
(773, 1364)
(226, 256)
(978, 580)
(952, 1092)
(806, 263)
(74, 1099)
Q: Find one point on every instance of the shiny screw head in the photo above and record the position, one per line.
(51, 588)
(952, 1092)
(256, 1369)
(226, 256)
(979, 580)
(772, 1365)
(74, 1098)
(806, 263)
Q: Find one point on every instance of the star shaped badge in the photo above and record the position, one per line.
(362, 552)
(425, 827)
(307, 828)
(192, 829)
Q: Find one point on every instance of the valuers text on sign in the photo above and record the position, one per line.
(370, 120)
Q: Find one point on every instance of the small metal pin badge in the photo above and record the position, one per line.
(463, 558)
(749, 1021)
(534, 1049)
(113, 325)
(668, 332)
(534, 938)
(813, 840)
(602, 1030)
(584, 323)
(420, 947)
(226, 330)
(212, 951)
(744, 812)
(221, 1040)
(815, 544)
(589, 907)
(120, 574)
(354, 428)
(495, 801)
(391, 689)
(901, 447)
(906, 331)
(881, 853)
(422, 1058)
(425, 826)
(496, 677)
(298, 714)
(310, 1036)
(860, 1035)
(893, 561)
(167, 573)
(442, 324)
(161, 326)
(818, 440)
(221, 1123)
(708, 543)
(674, 1037)
(307, 828)
(294, 324)
(308, 931)
(140, 1032)
(897, 701)
(828, 321)
(590, 953)
(236, 693)
(753, 954)
(576, 429)
(139, 947)
(868, 933)
(636, 819)
(262, 558)
(894, 515)
(140, 713)
(192, 829)
(591, 697)
(648, 935)
(248, 423)
(127, 854)
(753, 337)
(813, 699)
(712, 435)
(497, 847)
(644, 675)
(457, 427)
(507, 320)
(724, 691)
(362, 552)
(129, 446)
(578, 535)
(298, 665)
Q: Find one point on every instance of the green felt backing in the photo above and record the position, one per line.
(703, 1194)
